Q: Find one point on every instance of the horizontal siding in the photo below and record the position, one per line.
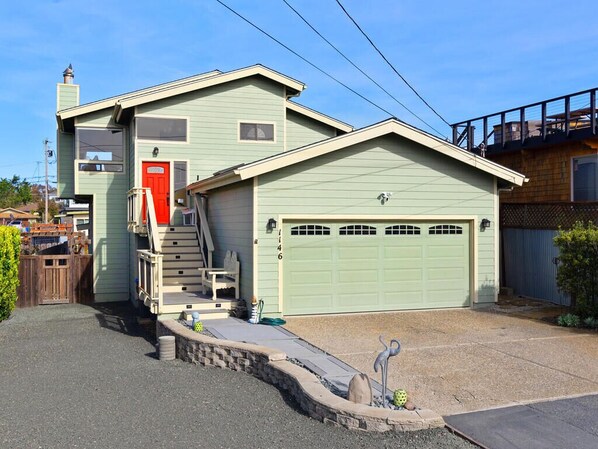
(230, 215)
(348, 182)
(214, 115)
(110, 235)
(65, 165)
(67, 96)
(101, 118)
(302, 130)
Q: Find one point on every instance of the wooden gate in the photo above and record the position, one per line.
(55, 279)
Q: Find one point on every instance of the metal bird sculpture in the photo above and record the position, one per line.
(381, 363)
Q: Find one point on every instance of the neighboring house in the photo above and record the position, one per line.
(324, 219)
(10, 213)
(76, 214)
(555, 143)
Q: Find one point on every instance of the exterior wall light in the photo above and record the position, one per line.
(155, 152)
(485, 224)
(271, 225)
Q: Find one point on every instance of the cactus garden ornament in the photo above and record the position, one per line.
(399, 397)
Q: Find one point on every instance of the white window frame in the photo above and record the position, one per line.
(93, 162)
(256, 122)
(162, 142)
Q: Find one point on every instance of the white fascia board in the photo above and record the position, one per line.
(203, 83)
(318, 116)
(214, 182)
(387, 127)
(111, 101)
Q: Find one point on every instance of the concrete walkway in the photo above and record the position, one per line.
(330, 368)
(457, 361)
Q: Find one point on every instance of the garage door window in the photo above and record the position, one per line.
(357, 230)
(310, 230)
(402, 230)
(445, 229)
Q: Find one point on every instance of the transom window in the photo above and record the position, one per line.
(357, 230)
(402, 230)
(310, 230)
(102, 149)
(162, 129)
(445, 229)
(585, 178)
(256, 132)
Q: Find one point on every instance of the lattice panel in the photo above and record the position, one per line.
(546, 215)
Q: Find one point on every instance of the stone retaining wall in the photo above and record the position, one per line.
(271, 366)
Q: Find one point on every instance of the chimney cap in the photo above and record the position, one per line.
(68, 74)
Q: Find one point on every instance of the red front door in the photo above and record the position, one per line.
(156, 176)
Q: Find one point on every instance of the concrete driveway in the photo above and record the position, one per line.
(456, 361)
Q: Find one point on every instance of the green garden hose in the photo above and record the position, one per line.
(266, 320)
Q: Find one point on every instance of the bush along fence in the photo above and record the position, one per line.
(10, 246)
(577, 272)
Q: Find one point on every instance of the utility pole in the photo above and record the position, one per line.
(46, 158)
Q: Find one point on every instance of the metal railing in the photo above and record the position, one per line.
(546, 121)
(206, 244)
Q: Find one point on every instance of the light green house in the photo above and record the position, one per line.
(322, 218)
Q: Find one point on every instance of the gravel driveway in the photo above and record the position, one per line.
(75, 376)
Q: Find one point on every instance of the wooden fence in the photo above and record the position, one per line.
(55, 279)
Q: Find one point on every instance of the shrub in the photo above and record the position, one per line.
(577, 272)
(10, 244)
(591, 322)
(568, 320)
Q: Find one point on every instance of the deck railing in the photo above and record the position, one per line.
(150, 279)
(546, 121)
(206, 244)
(142, 220)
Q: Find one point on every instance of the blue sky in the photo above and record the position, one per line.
(467, 58)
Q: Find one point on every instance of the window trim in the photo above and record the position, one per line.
(372, 230)
(458, 229)
(572, 186)
(305, 229)
(162, 142)
(91, 161)
(256, 122)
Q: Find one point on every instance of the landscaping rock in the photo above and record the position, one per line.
(360, 389)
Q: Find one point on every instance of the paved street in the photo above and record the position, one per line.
(75, 376)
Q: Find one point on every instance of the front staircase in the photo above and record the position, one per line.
(181, 280)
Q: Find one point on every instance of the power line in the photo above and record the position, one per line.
(360, 70)
(391, 66)
(304, 59)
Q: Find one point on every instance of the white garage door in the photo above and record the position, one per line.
(339, 266)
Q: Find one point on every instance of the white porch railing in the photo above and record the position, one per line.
(206, 244)
(142, 220)
(150, 279)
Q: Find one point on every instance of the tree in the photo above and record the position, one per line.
(14, 192)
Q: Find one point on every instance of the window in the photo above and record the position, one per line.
(257, 132)
(585, 178)
(102, 148)
(445, 229)
(357, 230)
(162, 129)
(402, 230)
(180, 175)
(310, 230)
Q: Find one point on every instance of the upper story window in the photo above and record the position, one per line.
(256, 132)
(162, 129)
(100, 149)
(585, 178)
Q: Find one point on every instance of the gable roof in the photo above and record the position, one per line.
(304, 110)
(390, 126)
(126, 101)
